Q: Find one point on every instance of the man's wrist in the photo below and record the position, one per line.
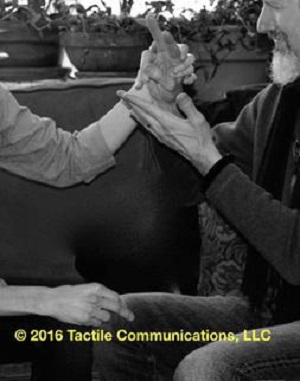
(210, 160)
(216, 169)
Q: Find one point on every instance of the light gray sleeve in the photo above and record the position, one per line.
(36, 149)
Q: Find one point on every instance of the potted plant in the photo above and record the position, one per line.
(98, 41)
(29, 35)
(228, 50)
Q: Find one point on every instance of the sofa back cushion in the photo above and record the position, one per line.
(134, 228)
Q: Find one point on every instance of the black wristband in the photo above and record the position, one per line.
(216, 169)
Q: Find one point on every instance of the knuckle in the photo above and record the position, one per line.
(106, 316)
(92, 298)
(98, 288)
(116, 296)
(84, 317)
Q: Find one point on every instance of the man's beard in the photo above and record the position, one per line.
(285, 67)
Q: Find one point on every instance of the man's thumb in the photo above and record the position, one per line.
(186, 105)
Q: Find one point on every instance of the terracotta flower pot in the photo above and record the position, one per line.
(114, 52)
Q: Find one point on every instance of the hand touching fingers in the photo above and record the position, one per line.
(117, 306)
(94, 322)
(103, 291)
(113, 302)
(139, 115)
(149, 109)
(101, 315)
(185, 70)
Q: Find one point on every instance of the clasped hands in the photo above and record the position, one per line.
(165, 110)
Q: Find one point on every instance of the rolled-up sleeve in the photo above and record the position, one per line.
(33, 147)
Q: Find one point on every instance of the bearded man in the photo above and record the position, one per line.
(259, 195)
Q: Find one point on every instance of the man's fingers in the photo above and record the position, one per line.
(186, 105)
(187, 72)
(183, 49)
(178, 69)
(144, 119)
(189, 80)
(163, 118)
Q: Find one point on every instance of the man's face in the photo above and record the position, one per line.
(281, 20)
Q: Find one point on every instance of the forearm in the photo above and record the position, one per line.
(272, 228)
(117, 126)
(35, 148)
(22, 300)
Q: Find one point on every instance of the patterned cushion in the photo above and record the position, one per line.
(223, 254)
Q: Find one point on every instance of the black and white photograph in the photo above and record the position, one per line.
(149, 190)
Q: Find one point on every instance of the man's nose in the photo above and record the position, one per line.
(266, 21)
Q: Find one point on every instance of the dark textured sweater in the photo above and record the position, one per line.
(269, 226)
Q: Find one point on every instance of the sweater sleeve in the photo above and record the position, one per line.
(272, 228)
(36, 149)
(239, 137)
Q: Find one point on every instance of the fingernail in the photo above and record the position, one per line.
(131, 317)
(120, 93)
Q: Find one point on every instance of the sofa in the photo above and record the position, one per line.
(124, 229)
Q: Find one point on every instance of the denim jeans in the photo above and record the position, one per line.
(195, 360)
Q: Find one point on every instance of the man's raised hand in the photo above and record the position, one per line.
(191, 137)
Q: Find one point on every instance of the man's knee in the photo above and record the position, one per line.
(216, 361)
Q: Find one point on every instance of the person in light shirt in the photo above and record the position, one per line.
(36, 149)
